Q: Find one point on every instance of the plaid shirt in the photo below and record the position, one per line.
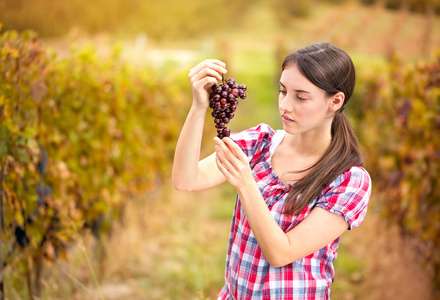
(248, 274)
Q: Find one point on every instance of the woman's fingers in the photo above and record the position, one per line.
(230, 155)
(222, 167)
(202, 77)
(233, 163)
(215, 64)
(205, 73)
(212, 67)
(223, 159)
(231, 149)
(225, 149)
(208, 61)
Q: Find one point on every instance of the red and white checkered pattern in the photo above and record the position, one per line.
(248, 275)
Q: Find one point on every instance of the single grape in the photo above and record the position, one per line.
(226, 131)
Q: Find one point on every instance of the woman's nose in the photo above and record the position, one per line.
(284, 104)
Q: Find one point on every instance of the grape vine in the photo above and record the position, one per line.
(78, 137)
(398, 115)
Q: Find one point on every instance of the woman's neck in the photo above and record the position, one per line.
(308, 144)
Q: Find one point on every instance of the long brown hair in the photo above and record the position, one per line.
(331, 69)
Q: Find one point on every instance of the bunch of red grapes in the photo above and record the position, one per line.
(223, 101)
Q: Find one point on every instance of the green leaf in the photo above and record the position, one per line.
(3, 148)
(22, 156)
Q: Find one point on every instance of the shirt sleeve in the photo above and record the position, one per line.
(348, 196)
(254, 142)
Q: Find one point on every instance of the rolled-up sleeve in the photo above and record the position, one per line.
(348, 196)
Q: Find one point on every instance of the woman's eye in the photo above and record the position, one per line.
(301, 98)
(282, 92)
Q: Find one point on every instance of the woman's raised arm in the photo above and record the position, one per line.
(189, 173)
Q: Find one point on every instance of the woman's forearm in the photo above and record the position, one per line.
(187, 154)
(271, 238)
(317, 230)
(188, 173)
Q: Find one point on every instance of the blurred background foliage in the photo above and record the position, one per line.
(92, 100)
(163, 20)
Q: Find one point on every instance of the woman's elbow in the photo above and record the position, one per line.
(278, 261)
(181, 184)
(182, 188)
(179, 187)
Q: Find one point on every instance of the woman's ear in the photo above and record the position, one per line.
(337, 101)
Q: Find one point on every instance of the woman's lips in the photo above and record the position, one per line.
(286, 119)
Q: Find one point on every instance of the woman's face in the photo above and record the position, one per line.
(304, 108)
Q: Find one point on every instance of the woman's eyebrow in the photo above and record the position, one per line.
(302, 91)
(298, 91)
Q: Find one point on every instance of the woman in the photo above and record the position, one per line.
(298, 188)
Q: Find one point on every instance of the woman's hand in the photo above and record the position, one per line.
(202, 77)
(232, 162)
